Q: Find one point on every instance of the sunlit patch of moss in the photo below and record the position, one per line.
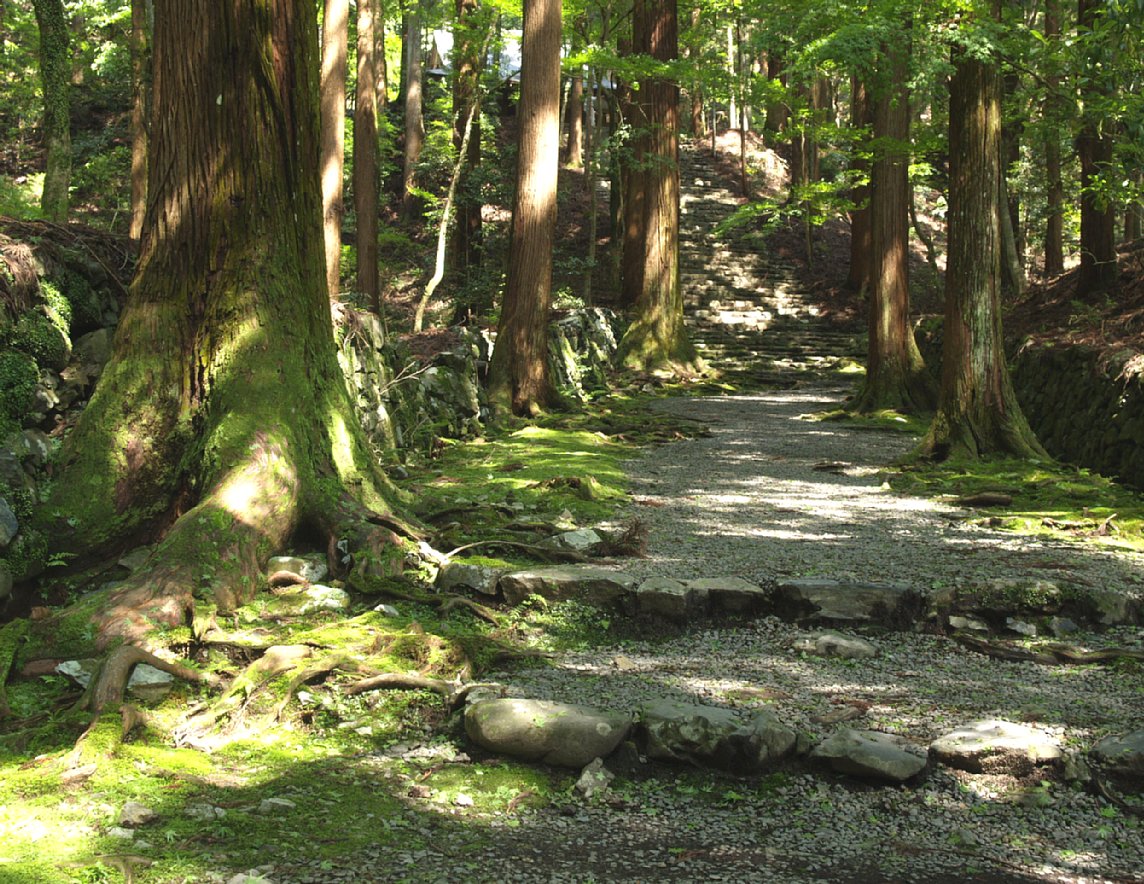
(496, 788)
(885, 419)
(1047, 498)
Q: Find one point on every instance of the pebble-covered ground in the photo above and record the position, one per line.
(747, 501)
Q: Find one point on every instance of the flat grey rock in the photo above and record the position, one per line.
(995, 745)
(669, 599)
(1122, 754)
(833, 644)
(586, 541)
(461, 575)
(732, 595)
(821, 599)
(871, 755)
(711, 736)
(561, 734)
(589, 584)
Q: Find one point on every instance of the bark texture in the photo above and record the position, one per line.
(365, 154)
(861, 242)
(518, 373)
(978, 413)
(1094, 147)
(222, 424)
(464, 248)
(1054, 185)
(414, 120)
(140, 83)
(55, 75)
(335, 37)
(896, 376)
(657, 339)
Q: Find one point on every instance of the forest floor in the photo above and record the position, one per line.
(753, 482)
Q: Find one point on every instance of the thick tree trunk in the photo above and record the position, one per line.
(518, 373)
(695, 88)
(365, 155)
(414, 122)
(978, 413)
(657, 339)
(464, 250)
(55, 75)
(1094, 147)
(861, 273)
(629, 208)
(1054, 185)
(896, 376)
(140, 82)
(222, 423)
(335, 37)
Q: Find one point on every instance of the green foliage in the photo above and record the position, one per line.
(18, 377)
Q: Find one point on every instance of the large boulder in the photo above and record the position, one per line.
(832, 600)
(995, 745)
(589, 584)
(712, 736)
(871, 755)
(537, 730)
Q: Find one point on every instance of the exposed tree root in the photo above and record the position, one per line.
(110, 683)
(323, 667)
(402, 681)
(548, 555)
(277, 660)
(453, 602)
(1050, 654)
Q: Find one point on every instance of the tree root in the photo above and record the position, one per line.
(548, 555)
(1051, 654)
(323, 667)
(400, 681)
(110, 683)
(277, 660)
(453, 602)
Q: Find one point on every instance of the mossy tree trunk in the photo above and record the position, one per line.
(657, 339)
(896, 376)
(335, 38)
(55, 76)
(977, 412)
(222, 423)
(365, 154)
(518, 373)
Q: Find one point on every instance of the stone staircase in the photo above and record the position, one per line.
(745, 307)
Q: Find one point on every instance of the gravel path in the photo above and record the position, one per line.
(747, 501)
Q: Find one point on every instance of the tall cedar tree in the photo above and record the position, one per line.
(896, 376)
(861, 236)
(222, 424)
(335, 37)
(1094, 147)
(518, 373)
(977, 410)
(140, 78)
(656, 339)
(1054, 185)
(414, 118)
(55, 75)
(365, 170)
(574, 108)
(463, 248)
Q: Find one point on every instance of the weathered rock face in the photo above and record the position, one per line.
(589, 584)
(731, 595)
(711, 736)
(871, 755)
(1122, 755)
(460, 575)
(836, 600)
(536, 730)
(995, 745)
(668, 599)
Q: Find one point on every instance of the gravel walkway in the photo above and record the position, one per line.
(747, 501)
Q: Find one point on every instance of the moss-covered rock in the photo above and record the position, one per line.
(18, 377)
(36, 335)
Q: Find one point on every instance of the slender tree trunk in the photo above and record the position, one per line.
(414, 123)
(365, 155)
(657, 339)
(574, 116)
(222, 423)
(978, 413)
(140, 81)
(381, 66)
(633, 189)
(55, 75)
(518, 373)
(335, 37)
(896, 376)
(464, 251)
(1054, 186)
(777, 111)
(1013, 275)
(732, 107)
(1134, 215)
(1094, 146)
(695, 90)
(861, 272)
